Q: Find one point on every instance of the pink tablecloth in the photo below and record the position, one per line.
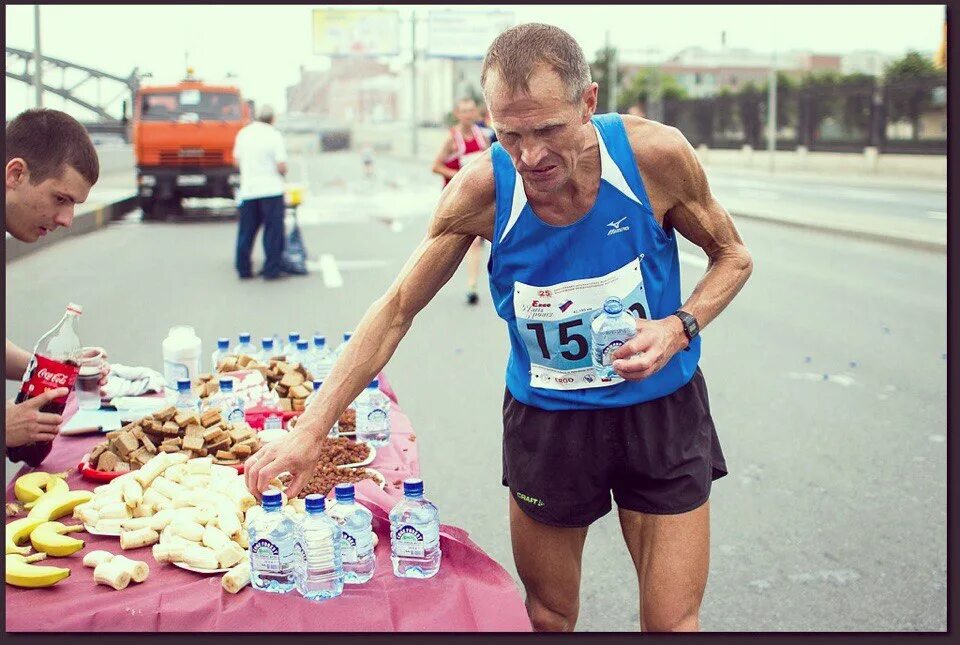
(470, 593)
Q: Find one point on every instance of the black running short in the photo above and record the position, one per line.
(657, 457)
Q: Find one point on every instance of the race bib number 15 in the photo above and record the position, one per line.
(554, 322)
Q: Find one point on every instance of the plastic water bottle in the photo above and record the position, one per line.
(373, 416)
(268, 351)
(187, 400)
(273, 422)
(321, 361)
(415, 534)
(356, 537)
(322, 574)
(223, 348)
(275, 547)
(290, 348)
(229, 403)
(342, 346)
(245, 346)
(302, 354)
(610, 329)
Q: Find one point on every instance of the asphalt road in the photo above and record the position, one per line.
(827, 381)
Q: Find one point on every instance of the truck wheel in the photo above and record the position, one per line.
(147, 207)
(159, 210)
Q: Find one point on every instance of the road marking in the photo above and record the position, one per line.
(331, 274)
(695, 260)
(936, 215)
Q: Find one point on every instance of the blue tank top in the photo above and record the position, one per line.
(548, 281)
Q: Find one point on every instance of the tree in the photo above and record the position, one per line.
(910, 82)
(748, 108)
(642, 86)
(600, 71)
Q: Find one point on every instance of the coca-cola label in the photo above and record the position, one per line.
(49, 374)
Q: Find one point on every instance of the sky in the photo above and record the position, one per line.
(264, 46)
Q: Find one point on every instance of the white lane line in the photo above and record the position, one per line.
(331, 274)
(936, 215)
(695, 260)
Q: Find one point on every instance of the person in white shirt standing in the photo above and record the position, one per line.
(262, 158)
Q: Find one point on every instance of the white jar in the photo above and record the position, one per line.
(181, 355)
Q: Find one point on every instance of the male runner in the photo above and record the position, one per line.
(578, 208)
(464, 144)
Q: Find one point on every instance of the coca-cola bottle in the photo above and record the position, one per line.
(55, 364)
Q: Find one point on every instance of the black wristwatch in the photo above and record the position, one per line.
(690, 326)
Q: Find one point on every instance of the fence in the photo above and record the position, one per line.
(905, 117)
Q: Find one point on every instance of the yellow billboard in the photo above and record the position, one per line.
(355, 32)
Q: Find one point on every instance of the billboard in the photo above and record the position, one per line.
(356, 32)
(464, 34)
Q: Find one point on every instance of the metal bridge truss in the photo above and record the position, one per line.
(21, 66)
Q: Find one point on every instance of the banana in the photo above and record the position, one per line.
(55, 507)
(20, 573)
(30, 486)
(18, 531)
(49, 538)
(55, 486)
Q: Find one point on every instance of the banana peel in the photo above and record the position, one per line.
(49, 538)
(18, 532)
(53, 507)
(20, 572)
(54, 486)
(30, 486)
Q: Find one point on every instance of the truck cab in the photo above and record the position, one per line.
(183, 139)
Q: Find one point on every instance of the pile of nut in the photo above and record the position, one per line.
(292, 382)
(342, 451)
(347, 423)
(195, 435)
(326, 476)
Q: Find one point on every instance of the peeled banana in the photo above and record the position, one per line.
(21, 573)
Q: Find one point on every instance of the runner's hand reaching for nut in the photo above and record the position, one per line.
(654, 345)
(298, 453)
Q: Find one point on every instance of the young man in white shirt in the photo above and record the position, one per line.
(262, 158)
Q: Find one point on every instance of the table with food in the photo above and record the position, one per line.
(157, 510)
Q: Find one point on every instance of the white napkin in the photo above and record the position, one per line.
(125, 380)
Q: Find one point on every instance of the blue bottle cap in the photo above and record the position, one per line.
(267, 343)
(612, 305)
(183, 384)
(223, 343)
(319, 341)
(272, 498)
(315, 503)
(293, 336)
(226, 385)
(347, 335)
(303, 344)
(245, 337)
(412, 487)
(316, 385)
(344, 492)
(374, 385)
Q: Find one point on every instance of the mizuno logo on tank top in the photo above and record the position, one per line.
(547, 282)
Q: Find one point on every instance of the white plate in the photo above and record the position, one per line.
(196, 570)
(368, 460)
(92, 531)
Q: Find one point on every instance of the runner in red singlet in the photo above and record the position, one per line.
(464, 143)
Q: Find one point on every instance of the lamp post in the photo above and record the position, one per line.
(37, 57)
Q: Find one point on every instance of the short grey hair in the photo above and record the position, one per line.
(517, 51)
(266, 114)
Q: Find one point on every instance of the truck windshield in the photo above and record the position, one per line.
(190, 105)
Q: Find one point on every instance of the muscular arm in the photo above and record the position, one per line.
(678, 188)
(17, 361)
(466, 210)
(446, 150)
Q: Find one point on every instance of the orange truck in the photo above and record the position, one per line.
(183, 138)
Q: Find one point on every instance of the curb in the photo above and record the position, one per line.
(924, 244)
(83, 223)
